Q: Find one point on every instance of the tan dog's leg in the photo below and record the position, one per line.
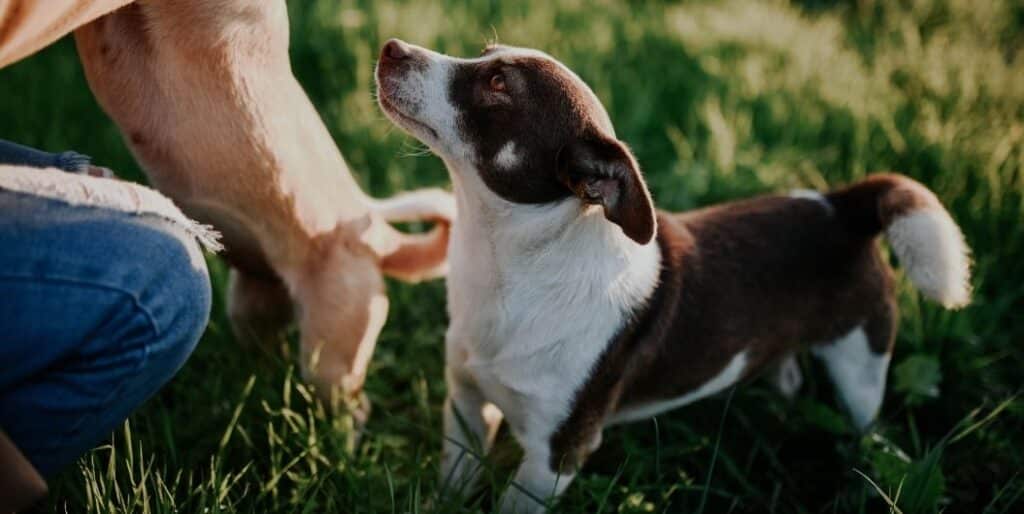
(259, 308)
(342, 306)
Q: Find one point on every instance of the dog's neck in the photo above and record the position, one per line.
(516, 231)
(544, 265)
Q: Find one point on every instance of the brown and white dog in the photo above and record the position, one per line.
(204, 95)
(575, 305)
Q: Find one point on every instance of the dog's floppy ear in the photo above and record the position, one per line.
(603, 171)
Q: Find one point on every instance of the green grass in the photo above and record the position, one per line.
(719, 101)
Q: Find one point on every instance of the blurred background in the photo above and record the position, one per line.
(719, 100)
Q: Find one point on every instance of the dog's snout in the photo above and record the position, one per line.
(395, 50)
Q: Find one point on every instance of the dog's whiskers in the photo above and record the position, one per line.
(414, 149)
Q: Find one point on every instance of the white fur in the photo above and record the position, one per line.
(931, 248)
(507, 157)
(535, 294)
(422, 204)
(729, 375)
(422, 94)
(788, 377)
(858, 374)
(814, 196)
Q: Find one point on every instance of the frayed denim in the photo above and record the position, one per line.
(98, 309)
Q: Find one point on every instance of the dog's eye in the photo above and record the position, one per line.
(498, 82)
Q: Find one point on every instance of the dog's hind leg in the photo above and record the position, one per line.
(787, 377)
(857, 363)
(259, 308)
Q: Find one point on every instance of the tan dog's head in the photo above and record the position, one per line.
(528, 127)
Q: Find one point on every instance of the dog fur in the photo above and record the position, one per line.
(575, 305)
(204, 95)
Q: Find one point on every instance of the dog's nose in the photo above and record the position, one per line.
(395, 50)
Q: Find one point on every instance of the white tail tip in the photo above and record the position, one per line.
(932, 250)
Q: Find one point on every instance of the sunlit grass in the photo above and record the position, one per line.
(719, 100)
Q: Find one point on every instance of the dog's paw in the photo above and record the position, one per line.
(788, 377)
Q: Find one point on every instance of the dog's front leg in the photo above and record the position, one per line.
(536, 483)
(341, 305)
(470, 424)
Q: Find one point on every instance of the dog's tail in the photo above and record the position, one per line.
(416, 257)
(925, 239)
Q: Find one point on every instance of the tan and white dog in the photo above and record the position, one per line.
(204, 95)
(575, 305)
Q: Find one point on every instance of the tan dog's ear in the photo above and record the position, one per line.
(603, 171)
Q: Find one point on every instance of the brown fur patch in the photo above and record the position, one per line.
(546, 109)
(765, 276)
(12, 17)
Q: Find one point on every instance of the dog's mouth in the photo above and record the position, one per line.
(404, 119)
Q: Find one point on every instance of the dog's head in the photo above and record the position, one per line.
(526, 125)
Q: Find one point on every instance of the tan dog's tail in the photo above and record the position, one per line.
(416, 257)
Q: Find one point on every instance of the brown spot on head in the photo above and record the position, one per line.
(529, 127)
(539, 134)
(539, 107)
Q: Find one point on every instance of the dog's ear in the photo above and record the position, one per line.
(602, 171)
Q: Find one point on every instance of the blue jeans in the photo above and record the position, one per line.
(98, 310)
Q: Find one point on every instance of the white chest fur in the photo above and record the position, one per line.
(535, 295)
